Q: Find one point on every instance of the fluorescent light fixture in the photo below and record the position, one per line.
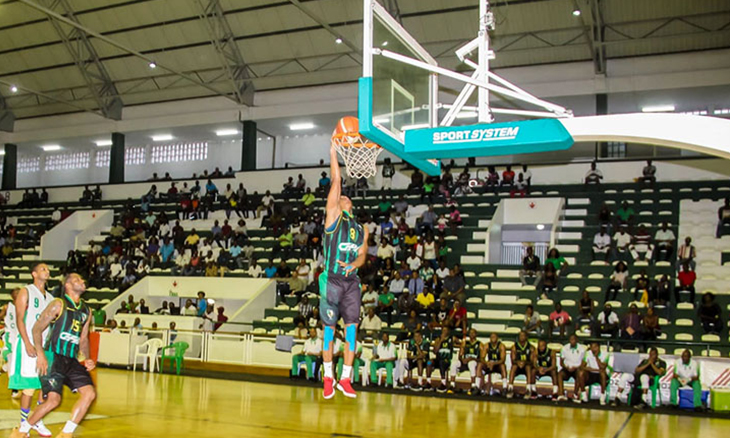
(338, 40)
(102, 143)
(416, 126)
(385, 43)
(152, 65)
(162, 137)
(13, 89)
(657, 109)
(467, 115)
(540, 227)
(301, 126)
(576, 12)
(2, 152)
(226, 132)
(51, 147)
(720, 111)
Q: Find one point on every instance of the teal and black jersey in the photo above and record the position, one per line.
(413, 347)
(66, 330)
(471, 349)
(342, 241)
(494, 353)
(444, 348)
(524, 352)
(544, 358)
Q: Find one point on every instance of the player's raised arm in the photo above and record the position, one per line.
(333, 198)
(50, 314)
(21, 305)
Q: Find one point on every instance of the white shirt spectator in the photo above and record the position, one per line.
(373, 324)
(591, 359)
(526, 175)
(612, 318)
(429, 250)
(386, 252)
(397, 285)
(442, 272)
(313, 346)
(115, 270)
(372, 227)
(267, 200)
(573, 356)
(413, 263)
(303, 271)
(56, 215)
(602, 241)
(255, 271)
(367, 296)
(662, 235)
(622, 239)
(686, 372)
(384, 352)
(596, 174)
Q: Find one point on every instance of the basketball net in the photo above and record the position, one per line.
(359, 154)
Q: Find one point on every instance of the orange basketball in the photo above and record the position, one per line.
(347, 126)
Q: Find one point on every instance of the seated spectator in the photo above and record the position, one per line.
(285, 245)
(300, 185)
(308, 198)
(386, 304)
(508, 177)
(164, 310)
(426, 271)
(647, 371)
(456, 320)
(663, 290)
(571, 360)
(642, 290)
(625, 215)
(397, 285)
(428, 219)
(454, 287)
(415, 284)
(607, 322)
(371, 324)
(631, 324)
(686, 375)
(622, 241)
(723, 219)
(532, 323)
(454, 219)
(585, 308)
(406, 302)
(369, 298)
(311, 355)
(417, 357)
(439, 316)
(709, 312)
(530, 267)
(190, 309)
(593, 176)
(642, 244)
(601, 245)
(425, 301)
(416, 184)
(270, 271)
(384, 356)
(549, 281)
(665, 241)
(605, 216)
(323, 185)
(687, 253)
(304, 309)
(401, 206)
(492, 180)
(617, 282)
(594, 371)
(648, 174)
(554, 258)
(385, 251)
(559, 320)
(650, 328)
(86, 196)
(143, 308)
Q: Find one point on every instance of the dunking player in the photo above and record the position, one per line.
(69, 318)
(30, 302)
(339, 286)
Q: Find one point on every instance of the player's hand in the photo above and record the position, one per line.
(348, 268)
(90, 364)
(542, 370)
(41, 365)
(30, 350)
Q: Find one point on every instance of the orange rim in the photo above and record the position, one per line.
(365, 142)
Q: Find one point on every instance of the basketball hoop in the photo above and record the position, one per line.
(359, 154)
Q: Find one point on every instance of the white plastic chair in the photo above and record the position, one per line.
(148, 350)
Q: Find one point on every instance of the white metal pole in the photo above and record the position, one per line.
(367, 48)
(483, 97)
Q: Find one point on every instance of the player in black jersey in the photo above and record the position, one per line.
(469, 353)
(443, 347)
(491, 361)
(417, 358)
(69, 318)
(521, 363)
(544, 364)
(345, 248)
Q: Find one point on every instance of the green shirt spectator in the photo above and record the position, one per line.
(625, 213)
(386, 298)
(308, 198)
(385, 206)
(428, 187)
(99, 317)
(286, 239)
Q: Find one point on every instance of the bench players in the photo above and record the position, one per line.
(469, 353)
(521, 363)
(544, 364)
(492, 361)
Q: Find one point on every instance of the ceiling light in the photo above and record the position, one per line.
(102, 143)
(385, 43)
(162, 137)
(13, 89)
(152, 65)
(301, 126)
(338, 40)
(226, 132)
(540, 227)
(51, 147)
(467, 115)
(576, 12)
(2, 152)
(657, 109)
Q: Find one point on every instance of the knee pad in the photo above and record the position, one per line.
(329, 335)
(351, 336)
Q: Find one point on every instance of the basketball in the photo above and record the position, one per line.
(347, 125)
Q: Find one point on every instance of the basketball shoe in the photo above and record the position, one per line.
(41, 429)
(329, 390)
(346, 388)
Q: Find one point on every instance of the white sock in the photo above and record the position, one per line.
(328, 370)
(453, 383)
(510, 388)
(533, 388)
(70, 427)
(603, 396)
(504, 384)
(428, 380)
(555, 389)
(346, 371)
(420, 380)
(24, 427)
(478, 382)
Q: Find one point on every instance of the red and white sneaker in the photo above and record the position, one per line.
(346, 388)
(41, 429)
(329, 389)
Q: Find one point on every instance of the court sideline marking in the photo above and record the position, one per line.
(623, 426)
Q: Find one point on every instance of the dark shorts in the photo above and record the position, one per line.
(539, 374)
(568, 374)
(339, 297)
(413, 364)
(493, 369)
(64, 371)
(592, 378)
(521, 370)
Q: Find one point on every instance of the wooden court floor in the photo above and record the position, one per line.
(144, 405)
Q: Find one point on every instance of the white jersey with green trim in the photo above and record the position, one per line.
(11, 326)
(37, 303)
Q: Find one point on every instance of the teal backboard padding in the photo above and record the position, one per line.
(388, 142)
(523, 137)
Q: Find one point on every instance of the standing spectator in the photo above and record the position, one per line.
(601, 245)
(311, 355)
(664, 239)
(709, 313)
(532, 321)
(220, 319)
(723, 218)
(559, 319)
(648, 174)
(593, 176)
(384, 356)
(387, 172)
(687, 254)
(571, 359)
(686, 374)
(530, 267)
(607, 322)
